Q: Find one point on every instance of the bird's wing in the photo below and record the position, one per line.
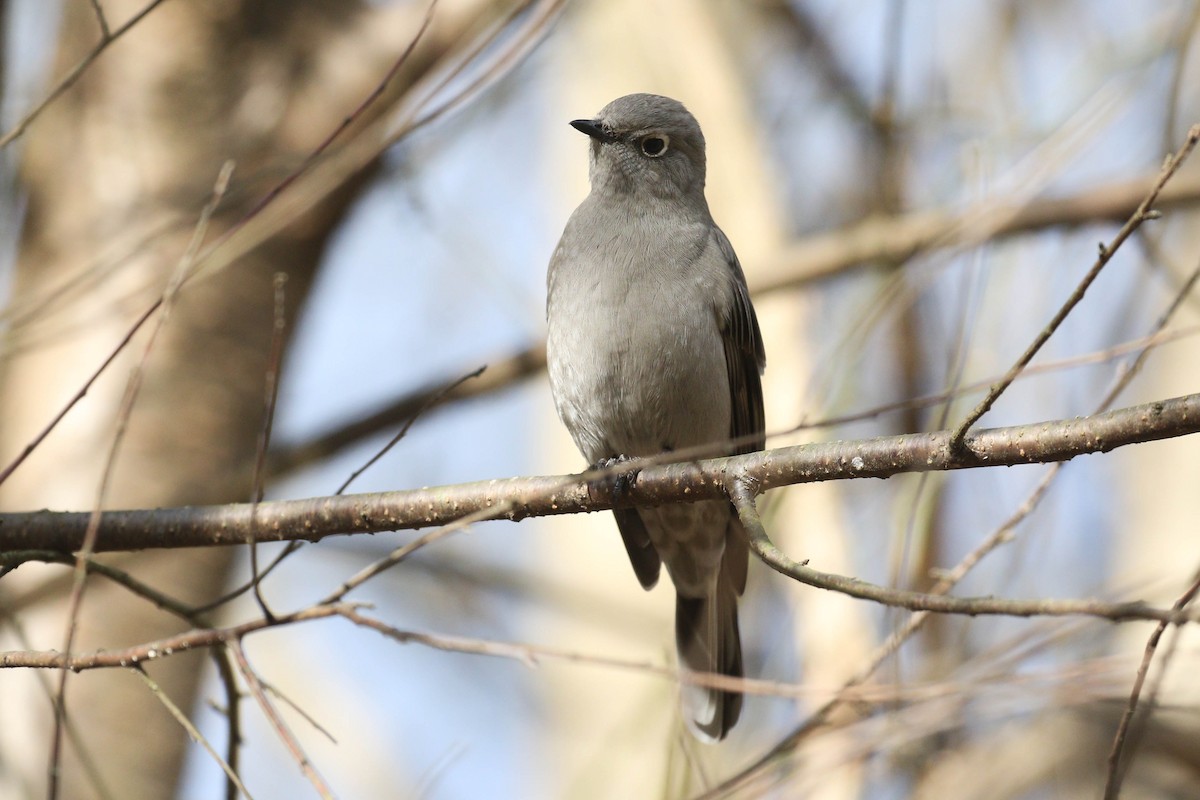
(745, 358)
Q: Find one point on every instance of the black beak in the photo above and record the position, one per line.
(592, 129)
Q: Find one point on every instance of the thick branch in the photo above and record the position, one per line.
(517, 498)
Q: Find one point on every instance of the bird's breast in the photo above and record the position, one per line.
(635, 352)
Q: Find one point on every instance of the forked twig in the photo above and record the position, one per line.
(281, 729)
(191, 729)
(1145, 211)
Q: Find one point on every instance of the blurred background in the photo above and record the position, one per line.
(913, 189)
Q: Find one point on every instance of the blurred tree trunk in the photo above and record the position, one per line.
(115, 174)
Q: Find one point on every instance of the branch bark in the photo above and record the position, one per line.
(518, 498)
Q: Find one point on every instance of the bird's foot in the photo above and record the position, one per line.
(616, 482)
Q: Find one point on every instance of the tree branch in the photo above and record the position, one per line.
(875, 239)
(1145, 211)
(315, 518)
(742, 494)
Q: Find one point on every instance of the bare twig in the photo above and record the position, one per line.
(742, 494)
(1144, 212)
(124, 412)
(161, 600)
(76, 72)
(1112, 782)
(529, 654)
(233, 713)
(429, 403)
(285, 734)
(403, 552)
(191, 729)
(294, 706)
(79, 395)
(161, 648)
(101, 21)
(270, 397)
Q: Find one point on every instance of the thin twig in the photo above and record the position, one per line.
(270, 397)
(742, 495)
(161, 600)
(428, 404)
(101, 21)
(233, 711)
(294, 706)
(403, 552)
(1112, 782)
(191, 729)
(281, 729)
(75, 73)
(124, 412)
(1144, 212)
(79, 395)
(529, 654)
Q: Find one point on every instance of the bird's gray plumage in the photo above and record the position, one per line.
(653, 346)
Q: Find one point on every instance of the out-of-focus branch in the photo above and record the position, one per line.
(498, 375)
(107, 37)
(140, 654)
(795, 20)
(317, 518)
(825, 255)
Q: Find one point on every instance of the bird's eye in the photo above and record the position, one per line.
(654, 146)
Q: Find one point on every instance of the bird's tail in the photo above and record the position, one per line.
(707, 638)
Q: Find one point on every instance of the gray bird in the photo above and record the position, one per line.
(653, 346)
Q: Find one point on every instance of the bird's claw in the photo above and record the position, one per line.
(616, 482)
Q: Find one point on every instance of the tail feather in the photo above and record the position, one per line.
(707, 638)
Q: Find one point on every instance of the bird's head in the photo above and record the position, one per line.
(645, 143)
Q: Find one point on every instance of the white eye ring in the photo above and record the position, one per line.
(654, 145)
